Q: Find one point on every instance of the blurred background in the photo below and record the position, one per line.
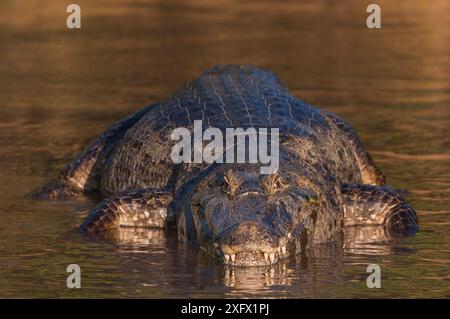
(59, 88)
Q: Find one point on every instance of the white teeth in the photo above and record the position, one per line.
(227, 257)
(233, 257)
(272, 273)
(279, 249)
(266, 256)
(283, 250)
(289, 236)
(272, 257)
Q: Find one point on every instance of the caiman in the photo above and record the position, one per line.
(326, 180)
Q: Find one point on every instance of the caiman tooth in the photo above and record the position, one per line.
(283, 250)
(233, 257)
(266, 256)
(279, 249)
(227, 257)
(272, 257)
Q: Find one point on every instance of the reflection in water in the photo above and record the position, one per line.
(306, 272)
(60, 88)
(259, 278)
(132, 237)
(367, 240)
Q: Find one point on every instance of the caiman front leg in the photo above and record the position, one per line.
(376, 205)
(136, 208)
(84, 172)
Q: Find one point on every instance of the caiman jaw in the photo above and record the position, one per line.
(251, 244)
(254, 258)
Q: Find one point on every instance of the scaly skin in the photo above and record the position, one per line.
(232, 211)
(362, 204)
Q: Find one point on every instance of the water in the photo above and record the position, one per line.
(59, 88)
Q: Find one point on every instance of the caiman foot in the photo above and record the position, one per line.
(375, 205)
(56, 189)
(137, 208)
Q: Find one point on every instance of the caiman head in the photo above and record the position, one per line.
(248, 219)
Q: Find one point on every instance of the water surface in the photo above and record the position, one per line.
(60, 88)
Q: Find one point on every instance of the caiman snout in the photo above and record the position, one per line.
(250, 243)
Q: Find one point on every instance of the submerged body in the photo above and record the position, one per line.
(326, 180)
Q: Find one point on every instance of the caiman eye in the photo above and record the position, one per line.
(221, 181)
(231, 183)
(273, 183)
(280, 183)
(225, 185)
